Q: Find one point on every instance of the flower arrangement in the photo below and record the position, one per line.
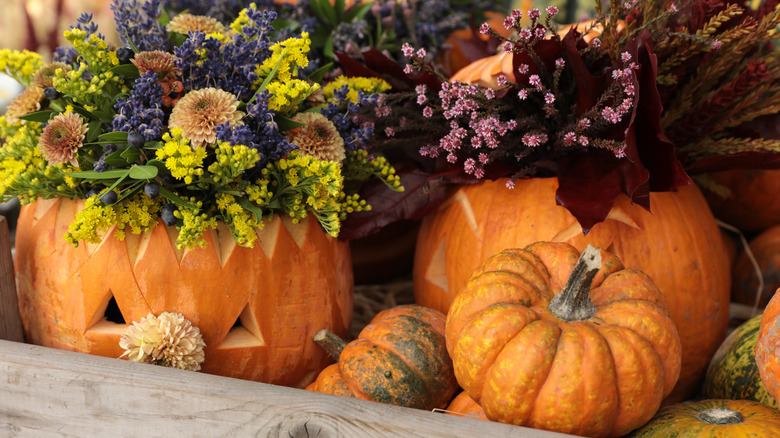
(192, 121)
(637, 100)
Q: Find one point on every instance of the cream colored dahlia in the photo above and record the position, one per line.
(43, 77)
(157, 61)
(169, 340)
(319, 138)
(28, 101)
(184, 23)
(199, 113)
(62, 138)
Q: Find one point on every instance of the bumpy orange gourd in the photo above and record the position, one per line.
(713, 419)
(295, 281)
(768, 347)
(593, 360)
(677, 243)
(399, 358)
(466, 406)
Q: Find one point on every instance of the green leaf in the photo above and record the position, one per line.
(129, 71)
(317, 9)
(169, 195)
(164, 18)
(257, 211)
(282, 24)
(114, 137)
(177, 39)
(108, 174)
(115, 159)
(315, 109)
(142, 172)
(338, 8)
(285, 124)
(357, 12)
(128, 193)
(104, 115)
(38, 116)
(330, 13)
(93, 131)
(83, 112)
(318, 76)
(328, 49)
(131, 155)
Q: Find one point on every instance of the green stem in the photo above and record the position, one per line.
(573, 302)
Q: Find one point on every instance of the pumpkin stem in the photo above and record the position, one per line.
(330, 342)
(721, 416)
(573, 302)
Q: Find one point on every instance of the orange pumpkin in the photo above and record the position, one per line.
(744, 283)
(594, 359)
(678, 244)
(399, 358)
(257, 308)
(753, 204)
(768, 347)
(466, 406)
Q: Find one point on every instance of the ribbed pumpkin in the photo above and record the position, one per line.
(768, 347)
(744, 282)
(467, 407)
(713, 418)
(677, 244)
(733, 373)
(594, 359)
(399, 358)
(753, 204)
(257, 308)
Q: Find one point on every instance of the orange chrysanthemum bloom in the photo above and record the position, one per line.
(28, 101)
(319, 138)
(184, 23)
(200, 111)
(62, 138)
(157, 61)
(43, 77)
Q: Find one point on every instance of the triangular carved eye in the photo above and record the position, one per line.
(245, 332)
(108, 317)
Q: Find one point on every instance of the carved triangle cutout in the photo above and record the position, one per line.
(268, 235)
(224, 243)
(297, 231)
(244, 333)
(173, 234)
(437, 268)
(107, 315)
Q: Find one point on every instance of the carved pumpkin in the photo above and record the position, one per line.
(713, 418)
(552, 339)
(678, 244)
(399, 358)
(466, 406)
(733, 373)
(753, 204)
(744, 283)
(257, 308)
(768, 347)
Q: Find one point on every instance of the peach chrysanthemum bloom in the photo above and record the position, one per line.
(169, 340)
(184, 23)
(43, 77)
(62, 138)
(157, 61)
(28, 101)
(319, 138)
(200, 111)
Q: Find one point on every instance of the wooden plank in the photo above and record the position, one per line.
(10, 320)
(46, 392)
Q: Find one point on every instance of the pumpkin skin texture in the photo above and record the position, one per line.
(399, 358)
(753, 204)
(465, 405)
(733, 373)
(768, 347)
(690, 420)
(744, 283)
(673, 244)
(64, 291)
(598, 375)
